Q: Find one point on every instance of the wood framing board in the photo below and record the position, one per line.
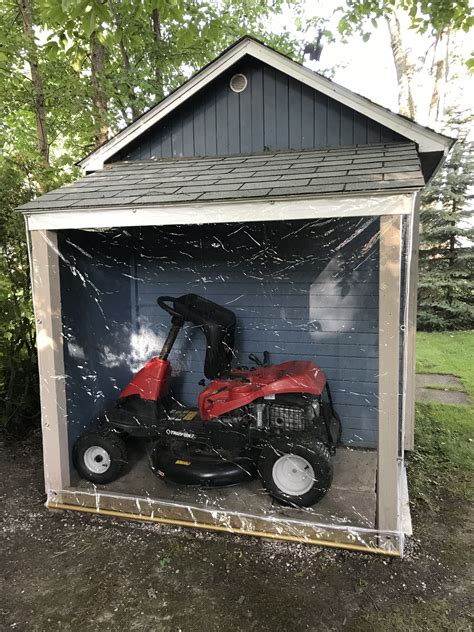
(215, 213)
(47, 306)
(388, 468)
(410, 339)
(154, 510)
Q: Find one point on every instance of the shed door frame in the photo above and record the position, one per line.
(47, 303)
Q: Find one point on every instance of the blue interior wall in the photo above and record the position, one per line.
(274, 113)
(96, 310)
(301, 290)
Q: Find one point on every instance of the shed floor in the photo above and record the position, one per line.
(351, 501)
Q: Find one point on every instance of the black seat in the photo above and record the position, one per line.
(218, 324)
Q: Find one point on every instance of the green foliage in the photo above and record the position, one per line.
(424, 15)
(445, 298)
(18, 376)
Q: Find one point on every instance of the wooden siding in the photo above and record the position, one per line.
(96, 309)
(274, 113)
(305, 290)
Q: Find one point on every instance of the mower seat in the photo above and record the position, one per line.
(218, 324)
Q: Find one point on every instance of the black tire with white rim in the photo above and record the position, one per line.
(297, 473)
(100, 456)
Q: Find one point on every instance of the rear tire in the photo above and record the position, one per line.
(296, 473)
(100, 456)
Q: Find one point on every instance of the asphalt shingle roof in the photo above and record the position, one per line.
(354, 169)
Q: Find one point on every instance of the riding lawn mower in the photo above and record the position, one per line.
(276, 422)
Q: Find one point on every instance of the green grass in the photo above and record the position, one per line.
(447, 352)
(444, 450)
(443, 459)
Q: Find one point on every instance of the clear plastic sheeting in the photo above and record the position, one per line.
(248, 398)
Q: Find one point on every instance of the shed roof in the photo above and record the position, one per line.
(301, 174)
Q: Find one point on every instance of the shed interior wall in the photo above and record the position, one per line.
(306, 290)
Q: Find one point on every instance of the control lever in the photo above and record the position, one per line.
(254, 358)
(258, 362)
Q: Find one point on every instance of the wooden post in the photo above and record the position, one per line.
(389, 374)
(410, 344)
(49, 340)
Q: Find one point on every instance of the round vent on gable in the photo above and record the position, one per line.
(238, 83)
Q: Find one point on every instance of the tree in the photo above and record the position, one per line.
(18, 372)
(26, 12)
(445, 297)
(128, 54)
(439, 22)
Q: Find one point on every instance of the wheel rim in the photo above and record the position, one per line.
(97, 459)
(293, 474)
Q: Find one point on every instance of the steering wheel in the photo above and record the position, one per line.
(163, 303)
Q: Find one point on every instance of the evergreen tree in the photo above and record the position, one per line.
(445, 296)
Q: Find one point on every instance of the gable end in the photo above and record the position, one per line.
(274, 113)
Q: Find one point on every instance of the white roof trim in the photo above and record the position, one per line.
(425, 138)
(218, 213)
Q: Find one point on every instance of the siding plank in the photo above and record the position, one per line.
(210, 124)
(245, 115)
(222, 122)
(257, 109)
(320, 119)
(269, 109)
(307, 118)
(199, 130)
(334, 123)
(281, 111)
(294, 115)
(233, 109)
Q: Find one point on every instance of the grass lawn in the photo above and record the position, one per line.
(447, 352)
(443, 459)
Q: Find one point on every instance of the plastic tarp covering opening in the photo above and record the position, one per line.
(227, 376)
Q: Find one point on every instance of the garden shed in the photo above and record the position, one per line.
(270, 190)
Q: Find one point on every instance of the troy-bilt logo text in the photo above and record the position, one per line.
(180, 433)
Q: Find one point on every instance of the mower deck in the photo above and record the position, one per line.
(350, 501)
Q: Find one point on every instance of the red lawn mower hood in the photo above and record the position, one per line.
(224, 395)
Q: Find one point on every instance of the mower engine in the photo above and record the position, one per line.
(290, 418)
(291, 413)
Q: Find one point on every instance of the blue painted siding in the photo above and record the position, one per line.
(306, 290)
(274, 113)
(96, 309)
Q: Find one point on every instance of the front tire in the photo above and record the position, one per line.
(296, 473)
(100, 457)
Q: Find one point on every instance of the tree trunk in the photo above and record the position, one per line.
(36, 79)
(99, 96)
(439, 70)
(126, 62)
(404, 67)
(156, 26)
